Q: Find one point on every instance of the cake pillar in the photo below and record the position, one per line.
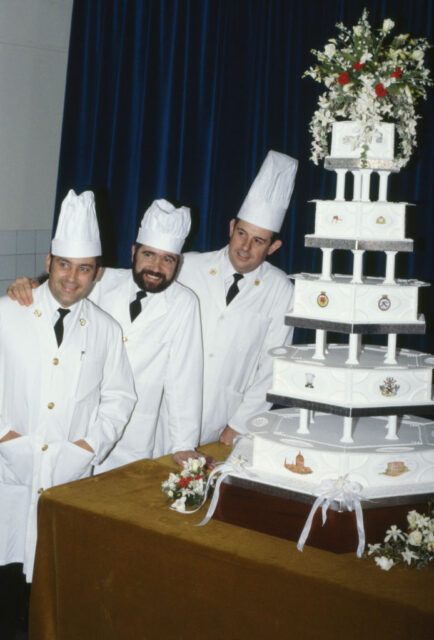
(357, 265)
(354, 348)
(382, 189)
(319, 345)
(366, 184)
(390, 267)
(347, 435)
(326, 264)
(392, 425)
(340, 184)
(357, 185)
(303, 425)
(391, 349)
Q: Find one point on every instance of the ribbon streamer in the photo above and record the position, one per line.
(348, 494)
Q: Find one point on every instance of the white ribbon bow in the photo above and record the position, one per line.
(348, 493)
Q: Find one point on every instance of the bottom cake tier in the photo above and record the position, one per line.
(305, 462)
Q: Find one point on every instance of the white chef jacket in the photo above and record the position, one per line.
(54, 396)
(237, 337)
(164, 346)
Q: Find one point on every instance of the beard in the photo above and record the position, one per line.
(138, 277)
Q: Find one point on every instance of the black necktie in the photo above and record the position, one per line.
(136, 305)
(233, 289)
(58, 327)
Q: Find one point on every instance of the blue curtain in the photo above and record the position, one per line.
(182, 99)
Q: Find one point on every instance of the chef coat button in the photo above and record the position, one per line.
(125, 339)
(50, 405)
(40, 491)
(44, 447)
(55, 361)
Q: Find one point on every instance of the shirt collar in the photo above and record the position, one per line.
(229, 270)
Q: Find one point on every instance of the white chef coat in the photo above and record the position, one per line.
(54, 396)
(237, 337)
(164, 346)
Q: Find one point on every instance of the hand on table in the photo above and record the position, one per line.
(228, 435)
(21, 290)
(10, 436)
(182, 456)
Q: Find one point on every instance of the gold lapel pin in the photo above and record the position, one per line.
(37, 313)
(212, 272)
(82, 322)
(257, 283)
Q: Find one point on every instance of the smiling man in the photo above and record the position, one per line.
(243, 301)
(66, 387)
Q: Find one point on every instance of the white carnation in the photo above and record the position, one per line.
(384, 563)
(388, 25)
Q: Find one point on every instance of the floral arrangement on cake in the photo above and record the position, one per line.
(416, 547)
(370, 77)
(187, 488)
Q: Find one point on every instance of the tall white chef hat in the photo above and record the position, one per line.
(268, 198)
(77, 233)
(164, 226)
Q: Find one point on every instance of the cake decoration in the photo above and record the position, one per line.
(389, 388)
(396, 468)
(298, 466)
(384, 303)
(322, 299)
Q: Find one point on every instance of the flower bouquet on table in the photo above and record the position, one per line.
(416, 547)
(370, 77)
(187, 488)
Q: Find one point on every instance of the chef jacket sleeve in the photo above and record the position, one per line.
(260, 383)
(183, 383)
(117, 398)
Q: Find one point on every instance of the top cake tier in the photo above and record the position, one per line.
(345, 151)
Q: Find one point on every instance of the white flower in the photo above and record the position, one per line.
(384, 563)
(330, 50)
(170, 494)
(365, 57)
(394, 533)
(418, 55)
(357, 30)
(388, 25)
(179, 505)
(415, 538)
(373, 548)
(408, 555)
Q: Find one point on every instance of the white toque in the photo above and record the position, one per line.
(269, 196)
(164, 226)
(77, 233)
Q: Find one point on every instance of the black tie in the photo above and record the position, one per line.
(136, 305)
(233, 289)
(58, 327)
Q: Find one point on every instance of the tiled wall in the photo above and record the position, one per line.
(22, 253)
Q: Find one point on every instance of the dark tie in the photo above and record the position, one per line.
(233, 289)
(136, 305)
(58, 327)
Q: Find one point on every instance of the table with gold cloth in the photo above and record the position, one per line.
(115, 563)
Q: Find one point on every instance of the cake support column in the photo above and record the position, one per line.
(326, 264)
(304, 421)
(390, 267)
(354, 345)
(319, 345)
(392, 424)
(382, 188)
(390, 357)
(357, 185)
(340, 184)
(366, 184)
(347, 435)
(357, 265)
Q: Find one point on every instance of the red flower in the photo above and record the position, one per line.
(199, 476)
(397, 73)
(344, 78)
(184, 482)
(380, 90)
(358, 66)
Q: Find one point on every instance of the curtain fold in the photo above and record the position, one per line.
(183, 98)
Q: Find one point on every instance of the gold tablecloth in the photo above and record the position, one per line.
(114, 563)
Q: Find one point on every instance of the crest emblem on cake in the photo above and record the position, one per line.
(298, 466)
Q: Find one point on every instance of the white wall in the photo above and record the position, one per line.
(34, 38)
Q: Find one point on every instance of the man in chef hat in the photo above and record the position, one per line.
(66, 387)
(243, 301)
(162, 335)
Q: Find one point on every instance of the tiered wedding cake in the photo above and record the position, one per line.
(350, 403)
